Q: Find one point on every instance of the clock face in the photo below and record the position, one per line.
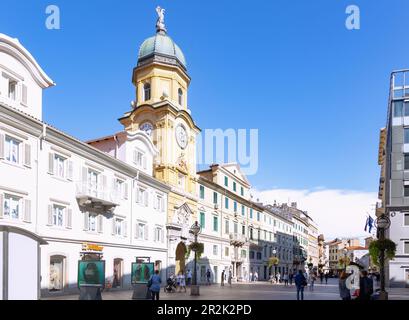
(147, 127)
(181, 136)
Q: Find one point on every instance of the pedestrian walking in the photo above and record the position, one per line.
(181, 281)
(255, 276)
(285, 278)
(278, 277)
(365, 286)
(322, 277)
(300, 283)
(291, 277)
(229, 277)
(251, 279)
(189, 277)
(326, 277)
(222, 279)
(344, 292)
(311, 280)
(208, 275)
(154, 285)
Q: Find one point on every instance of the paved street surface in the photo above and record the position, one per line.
(249, 291)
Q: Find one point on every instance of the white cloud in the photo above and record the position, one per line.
(338, 213)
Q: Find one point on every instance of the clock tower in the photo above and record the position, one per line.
(161, 109)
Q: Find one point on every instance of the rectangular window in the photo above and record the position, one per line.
(12, 150)
(181, 181)
(140, 231)
(58, 215)
(12, 90)
(234, 186)
(243, 230)
(235, 227)
(242, 210)
(226, 251)
(226, 226)
(11, 207)
(406, 162)
(258, 216)
(202, 192)
(226, 203)
(258, 255)
(226, 181)
(158, 234)
(159, 203)
(251, 254)
(93, 182)
(215, 197)
(59, 166)
(406, 135)
(251, 213)
(215, 250)
(215, 224)
(142, 197)
(406, 219)
(406, 247)
(92, 222)
(241, 191)
(202, 220)
(406, 190)
(235, 206)
(398, 108)
(243, 253)
(119, 226)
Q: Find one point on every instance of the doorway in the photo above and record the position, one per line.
(180, 258)
(118, 273)
(57, 274)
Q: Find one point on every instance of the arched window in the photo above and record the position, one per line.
(147, 91)
(180, 96)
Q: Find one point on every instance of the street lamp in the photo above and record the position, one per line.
(195, 230)
(275, 262)
(345, 257)
(382, 223)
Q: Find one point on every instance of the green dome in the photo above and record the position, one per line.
(163, 45)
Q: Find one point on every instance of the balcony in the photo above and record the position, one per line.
(96, 199)
(236, 258)
(237, 239)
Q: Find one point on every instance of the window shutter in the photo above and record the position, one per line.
(135, 156)
(51, 163)
(1, 205)
(50, 215)
(24, 93)
(125, 230)
(161, 235)
(113, 226)
(146, 198)
(146, 232)
(144, 161)
(27, 155)
(137, 195)
(84, 179)
(70, 169)
(125, 190)
(27, 210)
(100, 223)
(68, 218)
(104, 184)
(155, 202)
(137, 231)
(1, 146)
(86, 220)
(162, 204)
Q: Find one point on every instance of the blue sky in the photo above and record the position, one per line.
(316, 91)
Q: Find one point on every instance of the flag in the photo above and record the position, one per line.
(369, 224)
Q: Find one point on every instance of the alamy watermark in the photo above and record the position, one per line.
(230, 145)
(53, 20)
(353, 21)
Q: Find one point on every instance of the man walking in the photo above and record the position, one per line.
(230, 277)
(326, 277)
(321, 277)
(365, 287)
(300, 283)
(290, 277)
(189, 277)
(208, 275)
(222, 279)
(285, 278)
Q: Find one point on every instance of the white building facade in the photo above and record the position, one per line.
(68, 193)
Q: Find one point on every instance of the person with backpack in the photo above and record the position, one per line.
(365, 286)
(300, 283)
(344, 292)
(154, 285)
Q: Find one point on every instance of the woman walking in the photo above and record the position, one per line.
(182, 281)
(154, 285)
(344, 292)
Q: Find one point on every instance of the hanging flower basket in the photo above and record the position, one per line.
(273, 261)
(377, 246)
(197, 247)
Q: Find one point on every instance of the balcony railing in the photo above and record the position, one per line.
(237, 239)
(96, 198)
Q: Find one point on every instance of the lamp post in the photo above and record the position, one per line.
(275, 262)
(382, 223)
(195, 230)
(345, 257)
